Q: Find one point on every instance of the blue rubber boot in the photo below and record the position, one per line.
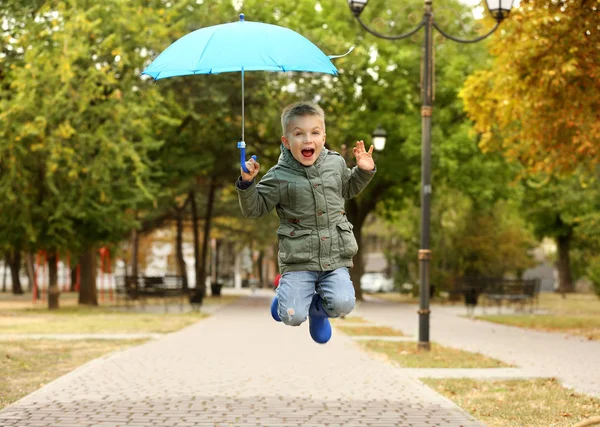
(274, 305)
(319, 326)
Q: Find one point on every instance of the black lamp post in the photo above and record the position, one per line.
(499, 9)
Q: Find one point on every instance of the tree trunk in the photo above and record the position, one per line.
(563, 264)
(201, 261)
(135, 243)
(14, 261)
(181, 267)
(53, 291)
(206, 238)
(218, 246)
(359, 266)
(200, 286)
(30, 272)
(4, 273)
(73, 274)
(357, 219)
(88, 294)
(261, 272)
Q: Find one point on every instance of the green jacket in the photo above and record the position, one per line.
(314, 233)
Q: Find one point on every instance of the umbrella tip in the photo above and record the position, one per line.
(241, 17)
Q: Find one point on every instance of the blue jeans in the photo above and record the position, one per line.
(296, 290)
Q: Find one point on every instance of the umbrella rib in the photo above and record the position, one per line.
(276, 64)
(204, 50)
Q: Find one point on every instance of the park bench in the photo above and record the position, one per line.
(141, 288)
(126, 287)
(497, 291)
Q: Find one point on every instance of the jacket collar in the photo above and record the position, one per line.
(286, 158)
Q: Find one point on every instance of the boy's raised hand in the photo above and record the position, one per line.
(253, 168)
(364, 159)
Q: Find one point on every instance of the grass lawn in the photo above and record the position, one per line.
(76, 320)
(348, 320)
(586, 326)
(370, 331)
(407, 355)
(18, 315)
(26, 365)
(531, 403)
(577, 314)
(9, 301)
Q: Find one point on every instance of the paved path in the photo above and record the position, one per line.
(237, 368)
(575, 361)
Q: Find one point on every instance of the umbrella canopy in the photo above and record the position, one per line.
(239, 46)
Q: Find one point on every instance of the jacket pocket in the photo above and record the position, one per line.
(294, 245)
(347, 242)
(301, 199)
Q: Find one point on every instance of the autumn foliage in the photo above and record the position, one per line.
(539, 101)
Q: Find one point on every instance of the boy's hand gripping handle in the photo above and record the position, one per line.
(242, 146)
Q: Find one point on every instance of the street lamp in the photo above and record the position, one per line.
(499, 9)
(379, 138)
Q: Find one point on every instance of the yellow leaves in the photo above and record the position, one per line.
(65, 130)
(68, 151)
(180, 200)
(569, 67)
(538, 101)
(66, 73)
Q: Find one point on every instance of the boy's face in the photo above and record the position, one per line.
(305, 138)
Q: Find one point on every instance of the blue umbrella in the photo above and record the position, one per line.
(240, 46)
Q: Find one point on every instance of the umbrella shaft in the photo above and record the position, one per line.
(243, 104)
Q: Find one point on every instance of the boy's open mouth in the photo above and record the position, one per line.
(308, 152)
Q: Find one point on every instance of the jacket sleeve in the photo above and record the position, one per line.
(259, 199)
(355, 180)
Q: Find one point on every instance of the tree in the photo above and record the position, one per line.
(469, 238)
(13, 258)
(539, 100)
(75, 132)
(566, 210)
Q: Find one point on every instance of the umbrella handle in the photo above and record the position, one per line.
(242, 147)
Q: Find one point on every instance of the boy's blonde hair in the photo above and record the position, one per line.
(298, 109)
